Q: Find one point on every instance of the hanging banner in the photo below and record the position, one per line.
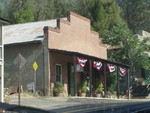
(97, 65)
(81, 61)
(122, 72)
(111, 68)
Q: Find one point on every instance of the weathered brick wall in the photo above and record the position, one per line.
(76, 35)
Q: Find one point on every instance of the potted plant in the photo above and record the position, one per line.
(58, 89)
(99, 88)
(83, 88)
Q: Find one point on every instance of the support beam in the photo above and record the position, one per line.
(105, 90)
(118, 87)
(128, 78)
(90, 65)
(74, 65)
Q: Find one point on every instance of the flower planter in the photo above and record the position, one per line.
(83, 94)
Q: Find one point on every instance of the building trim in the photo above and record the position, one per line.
(79, 16)
(87, 56)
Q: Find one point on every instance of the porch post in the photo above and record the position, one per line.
(128, 78)
(90, 64)
(118, 82)
(74, 62)
(105, 90)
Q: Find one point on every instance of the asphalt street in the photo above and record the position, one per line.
(81, 105)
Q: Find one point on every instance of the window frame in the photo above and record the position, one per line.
(56, 72)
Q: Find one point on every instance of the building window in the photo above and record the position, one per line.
(58, 72)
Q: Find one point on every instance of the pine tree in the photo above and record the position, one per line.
(26, 14)
(20, 11)
(104, 14)
(137, 14)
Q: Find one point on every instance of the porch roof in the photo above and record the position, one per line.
(88, 57)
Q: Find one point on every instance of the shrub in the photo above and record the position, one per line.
(99, 87)
(82, 88)
(58, 88)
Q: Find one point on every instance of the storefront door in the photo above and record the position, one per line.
(71, 81)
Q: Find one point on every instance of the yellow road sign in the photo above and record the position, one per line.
(35, 66)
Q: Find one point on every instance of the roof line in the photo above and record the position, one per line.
(88, 56)
(18, 43)
(5, 20)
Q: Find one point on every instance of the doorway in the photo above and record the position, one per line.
(71, 80)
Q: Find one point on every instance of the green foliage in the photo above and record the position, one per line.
(26, 10)
(58, 88)
(19, 11)
(103, 14)
(132, 51)
(82, 87)
(137, 14)
(112, 81)
(99, 86)
(24, 15)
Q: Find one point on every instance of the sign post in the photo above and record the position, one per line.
(35, 67)
(20, 61)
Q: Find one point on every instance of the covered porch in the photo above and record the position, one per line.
(66, 68)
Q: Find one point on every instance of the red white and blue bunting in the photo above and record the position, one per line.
(111, 68)
(97, 65)
(122, 72)
(81, 61)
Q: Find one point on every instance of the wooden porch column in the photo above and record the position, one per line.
(90, 64)
(128, 78)
(118, 87)
(105, 90)
(74, 63)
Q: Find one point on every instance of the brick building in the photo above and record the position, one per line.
(55, 45)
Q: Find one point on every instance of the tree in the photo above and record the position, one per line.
(25, 14)
(19, 11)
(132, 51)
(3, 11)
(39, 9)
(137, 14)
(103, 14)
(59, 8)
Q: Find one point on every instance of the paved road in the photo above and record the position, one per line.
(143, 107)
(76, 104)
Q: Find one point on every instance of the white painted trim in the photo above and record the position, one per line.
(61, 72)
(2, 70)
